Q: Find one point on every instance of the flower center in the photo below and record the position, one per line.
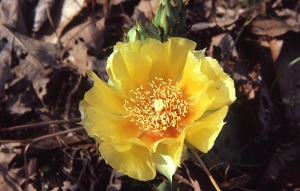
(157, 108)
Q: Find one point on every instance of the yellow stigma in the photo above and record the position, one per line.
(158, 107)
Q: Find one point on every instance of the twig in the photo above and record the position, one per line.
(69, 99)
(41, 138)
(74, 120)
(205, 170)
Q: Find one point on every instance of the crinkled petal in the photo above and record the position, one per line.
(179, 48)
(168, 57)
(131, 64)
(138, 68)
(200, 54)
(193, 84)
(105, 97)
(117, 71)
(164, 164)
(203, 133)
(121, 70)
(99, 123)
(222, 90)
(128, 158)
(131, 46)
(167, 156)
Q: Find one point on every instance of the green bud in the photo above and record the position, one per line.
(142, 31)
(170, 18)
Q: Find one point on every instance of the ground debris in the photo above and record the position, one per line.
(46, 47)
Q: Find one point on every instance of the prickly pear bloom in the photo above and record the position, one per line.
(158, 96)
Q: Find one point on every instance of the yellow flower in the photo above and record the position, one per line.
(158, 95)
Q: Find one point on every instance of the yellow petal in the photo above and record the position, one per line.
(179, 48)
(157, 51)
(173, 147)
(203, 133)
(104, 96)
(167, 156)
(164, 164)
(168, 57)
(130, 159)
(193, 84)
(117, 72)
(129, 69)
(222, 90)
(200, 54)
(99, 123)
(131, 46)
(186, 43)
(138, 68)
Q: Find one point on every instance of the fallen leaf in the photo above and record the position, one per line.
(271, 28)
(226, 43)
(275, 48)
(148, 7)
(33, 61)
(236, 182)
(285, 153)
(77, 57)
(288, 69)
(68, 186)
(197, 27)
(227, 16)
(117, 2)
(115, 183)
(41, 13)
(62, 15)
(37, 51)
(8, 180)
(5, 59)
(77, 42)
(11, 12)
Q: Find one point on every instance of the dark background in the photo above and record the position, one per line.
(45, 48)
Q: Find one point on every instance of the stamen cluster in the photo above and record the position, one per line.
(157, 107)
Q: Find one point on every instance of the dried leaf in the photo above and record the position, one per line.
(12, 15)
(226, 43)
(33, 61)
(78, 56)
(197, 27)
(5, 74)
(239, 181)
(271, 28)
(8, 180)
(115, 183)
(117, 2)
(68, 186)
(7, 183)
(194, 181)
(63, 14)
(288, 76)
(18, 107)
(36, 51)
(148, 7)
(227, 16)
(77, 42)
(41, 13)
(7, 153)
(285, 153)
(275, 47)
(268, 115)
